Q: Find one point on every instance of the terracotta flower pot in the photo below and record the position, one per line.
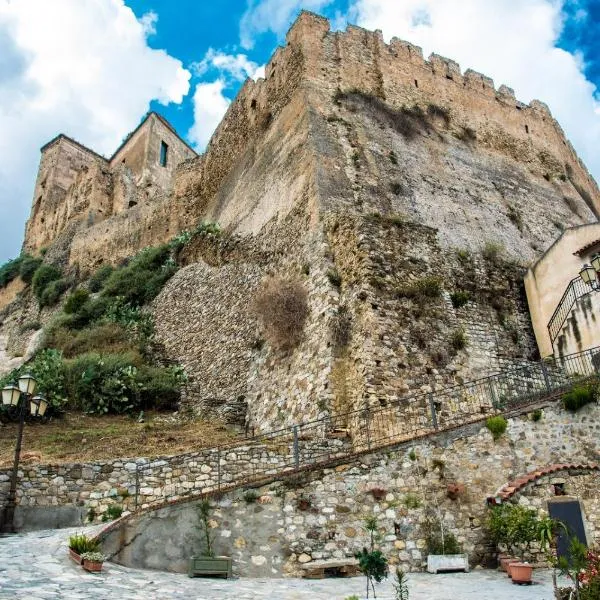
(93, 566)
(521, 572)
(509, 563)
(75, 557)
(504, 559)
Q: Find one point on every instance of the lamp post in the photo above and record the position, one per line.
(589, 273)
(20, 398)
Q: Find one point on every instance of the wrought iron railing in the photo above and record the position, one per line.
(309, 445)
(575, 290)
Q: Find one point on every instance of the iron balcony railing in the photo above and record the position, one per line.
(575, 290)
(309, 445)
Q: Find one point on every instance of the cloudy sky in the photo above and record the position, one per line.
(93, 68)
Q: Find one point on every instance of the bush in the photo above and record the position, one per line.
(424, 289)
(76, 300)
(10, 270)
(53, 291)
(143, 278)
(47, 367)
(578, 397)
(120, 383)
(105, 338)
(459, 339)
(44, 275)
(334, 277)
(30, 326)
(99, 277)
(492, 252)
(28, 267)
(446, 544)
(114, 511)
(536, 415)
(251, 496)
(514, 526)
(282, 307)
(80, 544)
(496, 425)
(460, 298)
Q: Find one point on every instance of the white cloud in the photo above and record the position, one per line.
(513, 41)
(148, 22)
(236, 66)
(273, 16)
(210, 105)
(82, 67)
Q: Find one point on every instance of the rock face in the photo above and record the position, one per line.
(402, 193)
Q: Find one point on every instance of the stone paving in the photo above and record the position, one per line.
(35, 566)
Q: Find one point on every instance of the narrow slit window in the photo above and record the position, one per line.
(526, 128)
(164, 154)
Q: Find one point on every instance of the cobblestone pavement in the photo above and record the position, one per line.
(35, 566)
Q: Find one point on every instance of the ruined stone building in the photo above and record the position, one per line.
(406, 195)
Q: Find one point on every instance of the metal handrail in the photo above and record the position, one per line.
(308, 445)
(575, 290)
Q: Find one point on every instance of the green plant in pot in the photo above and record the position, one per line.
(206, 563)
(79, 544)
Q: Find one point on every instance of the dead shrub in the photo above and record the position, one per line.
(281, 305)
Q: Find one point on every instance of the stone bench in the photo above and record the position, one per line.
(320, 569)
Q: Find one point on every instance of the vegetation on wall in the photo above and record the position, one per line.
(579, 396)
(281, 305)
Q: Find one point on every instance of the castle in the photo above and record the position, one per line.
(363, 170)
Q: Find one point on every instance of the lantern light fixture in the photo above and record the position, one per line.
(27, 384)
(11, 395)
(38, 406)
(589, 276)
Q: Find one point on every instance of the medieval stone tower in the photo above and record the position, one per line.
(405, 195)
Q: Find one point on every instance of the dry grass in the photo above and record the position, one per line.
(282, 307)
(82, 438)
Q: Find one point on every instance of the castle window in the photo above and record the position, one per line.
(416, 83)
(526, 128)
(164, 152)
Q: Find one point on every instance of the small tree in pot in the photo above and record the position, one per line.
(206, 563)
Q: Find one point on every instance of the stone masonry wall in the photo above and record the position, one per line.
(318, 516)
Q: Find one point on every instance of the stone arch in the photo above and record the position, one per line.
(509, 489)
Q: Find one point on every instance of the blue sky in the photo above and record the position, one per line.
(93, 68)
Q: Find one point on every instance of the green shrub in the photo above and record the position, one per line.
(578, 397)
(104, 338)
(492, 252)
(120, 383)
(28, 267)
(99, 277)
(53, 291)
(44, 275)
(459, 339)
(47, 368)
(460, 298)
(411, 501)
(80, 543)
(10, 270)
(536, 415)
(446, 544)
(424, 289)
(496, 425)
(251, 496)
(112, 512)
(334, 277)
(76, 300)
(143, 278)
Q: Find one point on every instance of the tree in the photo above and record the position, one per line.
(371, 562)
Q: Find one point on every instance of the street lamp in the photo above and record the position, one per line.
(589, 273)
(20, 398)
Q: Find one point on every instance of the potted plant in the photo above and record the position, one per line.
(444, 551)
(207, 563)
(79, 544)
(92, 561)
